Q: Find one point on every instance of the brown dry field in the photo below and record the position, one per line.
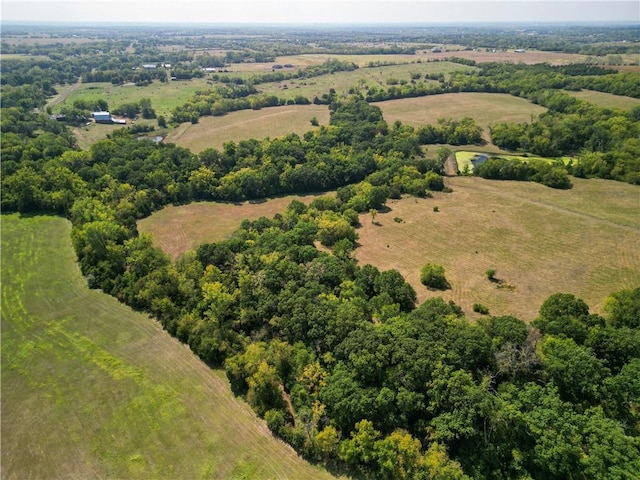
(529, 57)
(177, 229)
(213, 132)
(539, 240)
(485, 108)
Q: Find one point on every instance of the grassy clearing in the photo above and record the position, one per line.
(164, 96)
(185, 227)
(606, 100)
(91, 389)
(213, 132)
(541, 241)
(485, 108)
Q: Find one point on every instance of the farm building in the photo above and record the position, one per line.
(149, 66)
(102, 117)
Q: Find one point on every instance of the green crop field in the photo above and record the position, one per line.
(91, 389)
(273, 122)
(606, 100)
(164, 96)
(485, 108)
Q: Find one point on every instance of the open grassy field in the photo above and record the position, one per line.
(273, 122)
(606, 100)
(177, 229)
(374, 76)
(91, 389)
(485, 108)
(164, 96)
(541, 241)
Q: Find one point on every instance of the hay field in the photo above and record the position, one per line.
(164, 96)
(485, 108)
(177, 229)
(372, 76)
(213, 132)
(91, 389)
(606, 100)
(541, 241)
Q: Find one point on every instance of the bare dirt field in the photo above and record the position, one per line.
(540, 241)
(213, 132)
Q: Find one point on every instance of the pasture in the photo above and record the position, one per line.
(342, 82)
(91, 389)
(485, 108)
(177, 229)
(540, 240)
(164, 96)
(213, 132)
(606, 100)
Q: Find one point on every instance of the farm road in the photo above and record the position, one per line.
(62, 96)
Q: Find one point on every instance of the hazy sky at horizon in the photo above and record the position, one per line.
(318, 11)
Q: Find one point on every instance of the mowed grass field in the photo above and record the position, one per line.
(164, 96)
(539, 240)
(606, 100)
(342, 82)
(485, 108)
(177, 229)
(273, 122)
(91, 389)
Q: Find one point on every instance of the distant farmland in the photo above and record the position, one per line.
(91, 389)
(485, 108)
(213, 132)
(606, 100)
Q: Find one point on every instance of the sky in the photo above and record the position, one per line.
(318, 11)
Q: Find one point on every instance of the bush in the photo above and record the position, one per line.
(479, 308)
(432, 276)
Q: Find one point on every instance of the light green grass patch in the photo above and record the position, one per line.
(164, 96)
(464, 157)
(606, 100)
(272, 122)
(91, 389)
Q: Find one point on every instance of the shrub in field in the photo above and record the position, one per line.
(479, 308)
(432, 276)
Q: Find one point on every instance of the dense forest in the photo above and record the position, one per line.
(338, 357)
